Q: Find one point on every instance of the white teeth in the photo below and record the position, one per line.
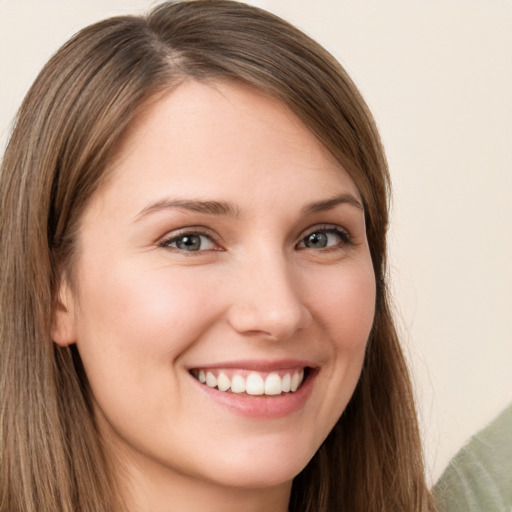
(255, 384)
(273, 385)
(223, 382)
(211, 380)
(286, 383)
(238, 384)
(295, 382)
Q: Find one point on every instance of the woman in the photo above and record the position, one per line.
(193, 295)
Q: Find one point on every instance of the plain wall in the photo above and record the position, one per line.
(438, 77)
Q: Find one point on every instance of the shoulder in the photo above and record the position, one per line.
(479, 477)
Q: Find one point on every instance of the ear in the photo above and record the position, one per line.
(64, 328)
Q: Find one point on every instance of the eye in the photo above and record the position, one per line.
(324, 238)
(190, 242)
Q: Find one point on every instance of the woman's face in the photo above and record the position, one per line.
(227, 246)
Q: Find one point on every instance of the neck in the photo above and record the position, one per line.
(151, 488)
(160, 492)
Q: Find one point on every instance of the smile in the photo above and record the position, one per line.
(252, 382)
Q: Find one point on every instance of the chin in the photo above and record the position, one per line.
(257, 478)
(264, 469)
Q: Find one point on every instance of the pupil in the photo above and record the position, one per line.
(317, 240)
(189, 243)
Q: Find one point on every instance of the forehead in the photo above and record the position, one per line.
(223, 139)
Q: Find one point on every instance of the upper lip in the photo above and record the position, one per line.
(258, 365)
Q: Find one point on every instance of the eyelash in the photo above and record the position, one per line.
(166, 242)
(345, 239)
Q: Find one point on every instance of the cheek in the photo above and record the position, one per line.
(345, 304)
(346, 312)
(148, 314)
(133, 328)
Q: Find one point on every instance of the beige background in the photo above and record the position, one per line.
(438, 77)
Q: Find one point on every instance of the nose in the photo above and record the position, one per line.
(268, 299)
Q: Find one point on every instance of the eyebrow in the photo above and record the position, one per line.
(194, 205)
(328, 204)
(229, 209)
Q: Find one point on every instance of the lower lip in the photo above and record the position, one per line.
(262, 406)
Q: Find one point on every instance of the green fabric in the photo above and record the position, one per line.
(479, 477)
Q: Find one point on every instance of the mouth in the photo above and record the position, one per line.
(259, 390)
(252, 383)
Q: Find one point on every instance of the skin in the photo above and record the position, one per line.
(143, 312)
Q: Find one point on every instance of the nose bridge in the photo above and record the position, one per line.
(268, 299)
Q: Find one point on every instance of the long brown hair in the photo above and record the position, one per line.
(65, 135)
